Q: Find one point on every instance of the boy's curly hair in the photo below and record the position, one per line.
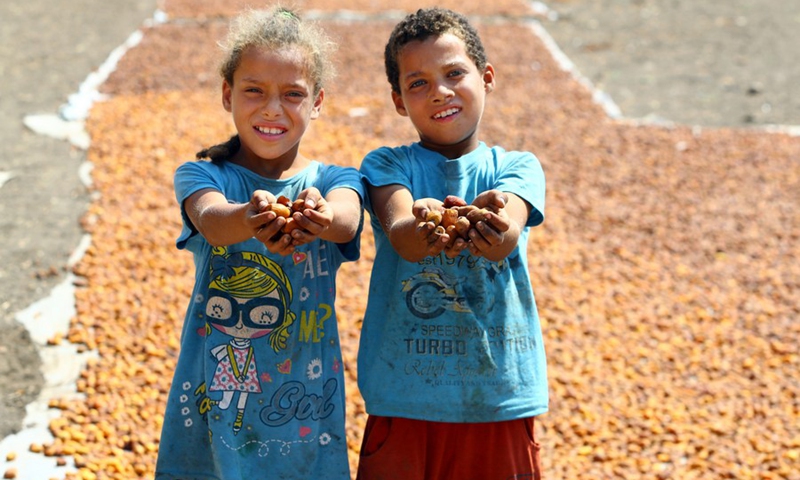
(427, 22)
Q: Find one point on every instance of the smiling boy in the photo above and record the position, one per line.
(451, 363)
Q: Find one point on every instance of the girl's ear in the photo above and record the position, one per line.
(488, 78)
(397, 99)
(315, 110)
(226, 95)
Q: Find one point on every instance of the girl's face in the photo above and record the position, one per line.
(443, 93)
(272, 103)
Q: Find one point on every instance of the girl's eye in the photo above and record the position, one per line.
(296, 96)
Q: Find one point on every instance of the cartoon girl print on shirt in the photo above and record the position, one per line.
(248, 298)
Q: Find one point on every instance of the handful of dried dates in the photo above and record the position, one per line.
(456, 218)
(284, 207)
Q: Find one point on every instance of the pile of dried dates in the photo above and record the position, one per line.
(456, 217)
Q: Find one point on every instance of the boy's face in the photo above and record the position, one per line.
(443, 93)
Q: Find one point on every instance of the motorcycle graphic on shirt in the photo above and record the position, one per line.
(431, 292)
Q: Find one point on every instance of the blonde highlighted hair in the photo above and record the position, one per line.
(278, 28)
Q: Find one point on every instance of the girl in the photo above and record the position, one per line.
(258, 390)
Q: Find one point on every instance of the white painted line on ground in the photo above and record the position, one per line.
(600, 97)
(4, 177)
(604, 99)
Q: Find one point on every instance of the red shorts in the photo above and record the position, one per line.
(403, 449)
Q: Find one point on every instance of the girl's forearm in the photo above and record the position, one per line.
(346, 219)
(223, 224)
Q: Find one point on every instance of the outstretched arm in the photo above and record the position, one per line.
(334, 218)
(496, 237)
(403, 221)
(222, 223)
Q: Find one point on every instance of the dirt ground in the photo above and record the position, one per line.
(45, 55)
(713, 63)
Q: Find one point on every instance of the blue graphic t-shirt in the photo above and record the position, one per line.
(453, 339)
(258, 390)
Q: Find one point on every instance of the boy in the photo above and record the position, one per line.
(451, 362)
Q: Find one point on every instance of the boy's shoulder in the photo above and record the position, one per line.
(397, 150)
(415, 152)
(387, 155)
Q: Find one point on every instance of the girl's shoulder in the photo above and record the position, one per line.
(329, 176)
(201, 166)
(329, 170)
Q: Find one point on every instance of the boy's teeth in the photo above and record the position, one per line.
(446, 113)
(271, 131)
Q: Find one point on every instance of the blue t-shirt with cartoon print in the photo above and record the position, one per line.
(453, 339)
(258, 390)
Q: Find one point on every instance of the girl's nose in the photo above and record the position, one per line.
(272, 107)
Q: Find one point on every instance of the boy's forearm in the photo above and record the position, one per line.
(504, 249)
(403, 236)
(516, 211)
(393, 209)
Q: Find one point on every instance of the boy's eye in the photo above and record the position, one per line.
(455, 73)
(416, 83)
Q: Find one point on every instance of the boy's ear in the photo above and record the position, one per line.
(226, 95)
(397, 99)
(315, 110)
(488, 78)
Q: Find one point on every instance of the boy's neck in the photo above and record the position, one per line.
(453, 151)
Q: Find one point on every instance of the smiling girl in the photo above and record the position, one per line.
(258, 390)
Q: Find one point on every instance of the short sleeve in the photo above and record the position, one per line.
(334, 177)
(189, 178)
(386, 166)
(342, 177)
(521, 173)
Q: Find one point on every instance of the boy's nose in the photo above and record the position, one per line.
(441, 93)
